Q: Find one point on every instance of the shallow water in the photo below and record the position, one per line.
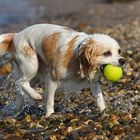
(23, 11)
(13, 11)
(67, 12)
(18, 11)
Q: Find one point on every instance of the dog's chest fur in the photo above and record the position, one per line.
(73, 84)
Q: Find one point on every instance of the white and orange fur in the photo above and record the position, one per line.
(72, 60)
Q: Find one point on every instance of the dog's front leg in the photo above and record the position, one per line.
(51, 87)
(97, 93)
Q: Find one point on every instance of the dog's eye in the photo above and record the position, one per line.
(107, 53)
(119, 51)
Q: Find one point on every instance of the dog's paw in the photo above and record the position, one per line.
(49, 112)
(102, 107)
(36, 96)
(104, 113)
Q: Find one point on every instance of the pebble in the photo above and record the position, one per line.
(136, 138)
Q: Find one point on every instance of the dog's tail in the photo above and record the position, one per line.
(6, 43)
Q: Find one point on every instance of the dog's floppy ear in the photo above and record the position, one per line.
(5, 42)
(87, 56)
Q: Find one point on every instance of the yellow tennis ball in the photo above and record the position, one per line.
(112, 73)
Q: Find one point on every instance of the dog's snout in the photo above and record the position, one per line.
(122, 61)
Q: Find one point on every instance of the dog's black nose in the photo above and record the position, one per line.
(122, 61)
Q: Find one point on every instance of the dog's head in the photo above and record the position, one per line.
(5, 43)
(97, 51)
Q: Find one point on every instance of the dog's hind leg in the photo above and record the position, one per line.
(28, 64)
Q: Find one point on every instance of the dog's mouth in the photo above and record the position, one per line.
(102, 67)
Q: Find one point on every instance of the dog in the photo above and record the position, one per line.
(72, 60)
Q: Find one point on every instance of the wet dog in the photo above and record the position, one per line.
(72, 60)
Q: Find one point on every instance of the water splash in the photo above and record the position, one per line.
(8, 86)
(11, 78)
